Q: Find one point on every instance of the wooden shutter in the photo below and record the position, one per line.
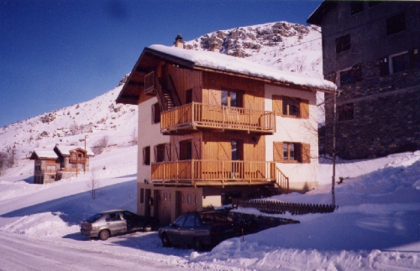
(304, 109)
(305, 153)
(278, 151)
(277, 105)
(383, 66)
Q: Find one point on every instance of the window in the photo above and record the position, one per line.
(351, 76)
(342, 43)
(231, 98)
(400, 62)
(141, 198)
(345, 112)
(291, 152)
(162, 153)
(189, 199)
(237, 146)
(146, 155)
(185, 150)
(395, 24)
(356, 7)
(155, 113)
(291, 107)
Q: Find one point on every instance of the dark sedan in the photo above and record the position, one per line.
(113, 222)
(200, 230)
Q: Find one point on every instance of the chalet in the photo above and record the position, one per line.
(371, 51)
(60, 163)
(212, 127)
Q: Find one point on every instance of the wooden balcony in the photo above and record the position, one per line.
(192, 116)
(198, 173)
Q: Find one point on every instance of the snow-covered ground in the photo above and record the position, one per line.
(376, 227)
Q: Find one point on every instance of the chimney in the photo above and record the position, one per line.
(179, 43)
(215, 47)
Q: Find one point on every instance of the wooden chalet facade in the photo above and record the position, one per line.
(60, 163)
(209, 133)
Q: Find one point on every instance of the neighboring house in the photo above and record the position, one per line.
(212, 127)
(60, 163)
(371, 51)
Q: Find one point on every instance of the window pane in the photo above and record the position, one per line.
(342, 43)
(285, 151)
(400, 63)
(225, 98)
(234, 145)
(233, 99)
(285, 106)
(292, 151)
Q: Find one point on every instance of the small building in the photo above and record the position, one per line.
(45, 166)
(213, 127)
(371, 50)
(62, 162)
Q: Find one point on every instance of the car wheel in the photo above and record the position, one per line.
(198, 245)
(165, 240)
(104, 234)
(147, 228)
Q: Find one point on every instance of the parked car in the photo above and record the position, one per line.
(200, 230)
(108, 223)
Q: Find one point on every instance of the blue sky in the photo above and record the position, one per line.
(57, 53)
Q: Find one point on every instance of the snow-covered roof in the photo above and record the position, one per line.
(243, 66)
(212, 61)
(43, 153)
(65, 150)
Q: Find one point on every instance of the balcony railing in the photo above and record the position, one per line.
(213, 173)
(197, 115)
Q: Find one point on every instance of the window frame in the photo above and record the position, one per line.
(155, 113)
(281, 105)
(342, 44)
(146, 156)
(301, 153)
(229, 93)
(392, 58)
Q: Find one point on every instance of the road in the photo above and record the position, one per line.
(19, 252)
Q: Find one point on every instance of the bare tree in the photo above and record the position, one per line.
(100, 145)
(93, 185)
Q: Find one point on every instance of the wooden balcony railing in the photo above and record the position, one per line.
(213, 172)
(197, 115)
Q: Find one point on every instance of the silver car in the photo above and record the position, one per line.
(108, 223)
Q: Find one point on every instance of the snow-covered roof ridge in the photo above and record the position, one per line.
(65, 150)
(44, 153)
(243, 66)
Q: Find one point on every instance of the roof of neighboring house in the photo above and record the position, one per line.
(316, 16)
(43, 154)
(153, 55)
(65, 150)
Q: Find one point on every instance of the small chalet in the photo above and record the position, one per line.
(60, 163)
(214, 127)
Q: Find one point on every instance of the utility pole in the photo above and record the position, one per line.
(334, 149)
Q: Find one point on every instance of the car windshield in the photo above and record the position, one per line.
(93, 218)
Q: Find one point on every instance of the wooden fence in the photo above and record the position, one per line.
(276, 207)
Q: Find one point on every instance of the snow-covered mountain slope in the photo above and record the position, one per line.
(286, 46)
